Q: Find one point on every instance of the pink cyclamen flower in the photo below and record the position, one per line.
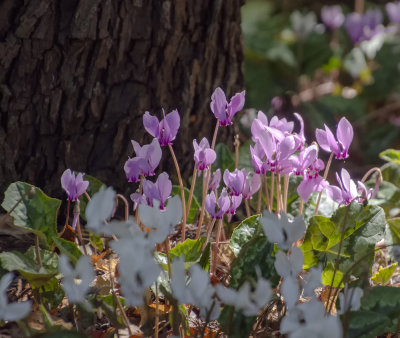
(347, 190)
(73, 185)
(145, 162)
(339, 146)
(235, 202)
(251, 184)
(312, 182)
(304, 159)
(332, 16)
(234, 181)
(204, 156)
(215, 180)
(223, 110)
(215, 208)
(160, 190)
(166, 130)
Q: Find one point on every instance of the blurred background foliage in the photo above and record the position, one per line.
(295, 63)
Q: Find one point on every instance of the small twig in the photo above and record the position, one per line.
(126, 204)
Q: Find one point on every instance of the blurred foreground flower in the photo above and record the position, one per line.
(11, 311)
(332, 16)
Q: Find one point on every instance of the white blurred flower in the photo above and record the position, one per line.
(99, 209)
(138, 269)
(290, 291)
(282, 231)
(311, 281)
(290, 265)
(309, 320)
(198, 292)
(250, 302)
(161, 222)
(11, 311)
(76, 282)
(350, 299)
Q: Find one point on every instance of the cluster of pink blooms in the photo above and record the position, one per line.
(277, 149)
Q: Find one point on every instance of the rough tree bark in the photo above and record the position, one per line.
(76, 76)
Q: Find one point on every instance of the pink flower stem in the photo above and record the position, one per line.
(246, 204)
(215, 248)
(205, 186)
(126, 204)
(178, 172)
(259, 198)
(278, 194)
(271, 196)
(191, 191)
(328, 165)
(209, 230)
(67, 219)
(301, 206)
(77, 211)
(267, 198)
(137, 207)
(285, 192)
(236, 143)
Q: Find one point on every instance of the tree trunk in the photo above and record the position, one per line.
(76, 76)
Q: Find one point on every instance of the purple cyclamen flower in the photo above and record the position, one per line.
(393, 12)
(284, 149)
(217, 209)
(73, 185)
(223, 110)
(354, 25)
(166, 130)
(304, 160)
(145, 162)
(215, 180)
(347, 190)
(344, 136)
(234, 181)
(204, 156)
(251, 184)
(300, 138)
(312, 181)
(160, 190)
(235, 202)
(372, 23)
(332, 16)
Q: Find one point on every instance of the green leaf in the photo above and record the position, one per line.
(194, 206)
(190, 249)
(26, 264)
(96, 242)
(364, 227)
(205, 257)
(52, 293)
(391, 155)
(37, 212)
(70, 249)
(225, 158)
(378, 314)
(234, 323)
(94, 187)
(327, 276)
(246, 230)
(383, 275)
(256, 253)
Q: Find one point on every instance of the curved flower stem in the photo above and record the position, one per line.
(215, 248)
(285, 192)
(67, 218)
(271, 196)
(278, 194)
(87, 196)
(178, 172)
(260, 197)
(191, 191)
(209, 230)
(77, 211)
(126, 204)
(203, 204)
(328, 165)
(205, 185)
(267, 198)
(236, 143)
(342, 231)
(246, 204)
(167, 249)
(301, 206)
(378, 179)
(214, 139)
